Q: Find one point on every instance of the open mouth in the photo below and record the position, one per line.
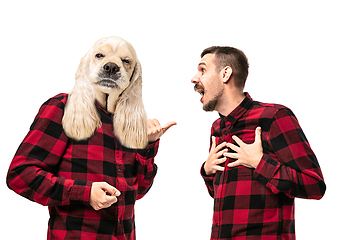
(200, 90)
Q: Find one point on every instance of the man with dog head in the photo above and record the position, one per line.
(259, 159)
(89, 155)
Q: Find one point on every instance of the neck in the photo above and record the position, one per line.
(229, 102)
(102, 99)
(106, 100)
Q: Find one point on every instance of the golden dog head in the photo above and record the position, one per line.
(110, 73)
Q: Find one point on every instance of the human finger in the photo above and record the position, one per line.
(106, 203)
(110, 200)
(213, 143)
(220, 153)
(153, 123)
(231, 155)
(238, 140)
(257, 134)
(168, 125)
(220, 146)
(233, 147)
(234, 164)
(219, 168)
(157, 125)
(153, 126)
(110, 190)
(221, 160)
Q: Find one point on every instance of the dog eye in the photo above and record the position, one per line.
(125, 61)
(99, 55)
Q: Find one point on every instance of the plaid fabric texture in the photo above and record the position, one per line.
(259, 203)
(56, 171)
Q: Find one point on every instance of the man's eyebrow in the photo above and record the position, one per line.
(202, 63)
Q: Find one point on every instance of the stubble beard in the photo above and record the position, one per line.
(210, 105)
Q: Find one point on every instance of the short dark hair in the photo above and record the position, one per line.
(233, 57)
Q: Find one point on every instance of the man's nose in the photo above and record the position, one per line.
(195, 79)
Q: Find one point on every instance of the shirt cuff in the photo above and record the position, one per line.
(80, 192)
(151, 150)
(208, 178)
(266, 168)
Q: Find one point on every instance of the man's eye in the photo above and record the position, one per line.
(99, 55)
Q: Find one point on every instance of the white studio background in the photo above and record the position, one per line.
(292, 47)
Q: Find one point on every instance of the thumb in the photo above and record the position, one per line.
(111, 190)
(168, 125)
(213, 143)
(257, 135)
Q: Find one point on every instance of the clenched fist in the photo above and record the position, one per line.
(103, 195)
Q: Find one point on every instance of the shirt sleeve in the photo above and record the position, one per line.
(290, 166)
(147, 169)
(31, 173)
(208, 180)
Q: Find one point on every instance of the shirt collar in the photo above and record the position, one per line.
(100, 108)
(245, 105)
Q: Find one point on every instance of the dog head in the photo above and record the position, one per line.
(110, 73)
(110, 65)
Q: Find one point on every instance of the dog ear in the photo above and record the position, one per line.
(130, 119)
(81, 118)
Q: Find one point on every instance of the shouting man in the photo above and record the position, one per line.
(259, 159)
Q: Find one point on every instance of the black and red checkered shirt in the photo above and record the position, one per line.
(259, 203)
(54, 170)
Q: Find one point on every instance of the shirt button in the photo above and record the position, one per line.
(119, 169)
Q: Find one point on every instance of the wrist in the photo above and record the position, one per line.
(206, 171)
(258, 159)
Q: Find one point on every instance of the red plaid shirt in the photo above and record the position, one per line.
(259, 203)
(53, 170)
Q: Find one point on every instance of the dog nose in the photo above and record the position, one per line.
(111, 68)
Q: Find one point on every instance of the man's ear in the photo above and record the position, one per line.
(226, 73)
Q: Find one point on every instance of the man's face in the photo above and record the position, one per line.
(208, 82)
